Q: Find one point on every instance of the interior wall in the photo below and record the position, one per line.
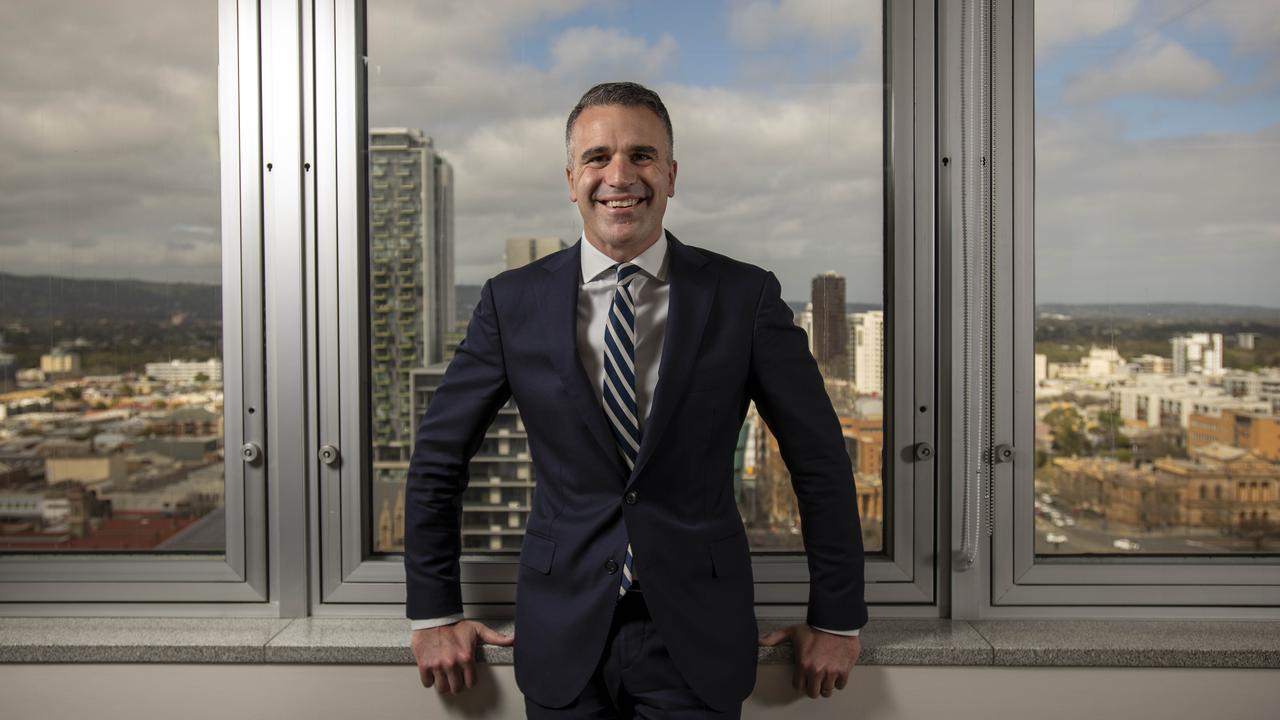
(371, 692)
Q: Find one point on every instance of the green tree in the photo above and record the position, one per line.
(1067, 425)
(1108, 430)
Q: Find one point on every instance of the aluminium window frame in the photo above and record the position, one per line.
(1009, 581)
(349, 580)
(177, 584)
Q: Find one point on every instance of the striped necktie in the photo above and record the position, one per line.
(620, 386)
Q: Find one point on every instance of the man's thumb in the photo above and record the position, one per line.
(773, 638)
(493, 637)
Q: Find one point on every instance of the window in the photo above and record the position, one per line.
(124, 310)
(781, 123)
(1146, 231)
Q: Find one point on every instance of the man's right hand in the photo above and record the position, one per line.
(446, 654)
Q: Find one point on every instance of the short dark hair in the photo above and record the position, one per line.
(627, 94)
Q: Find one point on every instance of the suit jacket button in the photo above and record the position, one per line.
(611, 566)
(630, 498)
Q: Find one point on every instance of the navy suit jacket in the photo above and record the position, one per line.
(729, 339)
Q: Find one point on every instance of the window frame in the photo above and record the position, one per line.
(1021, 585)
(352, 579)
(144, 584)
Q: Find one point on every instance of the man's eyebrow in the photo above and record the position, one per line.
(590, 152)
(593, 151)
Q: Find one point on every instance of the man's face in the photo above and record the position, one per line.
(621, 176)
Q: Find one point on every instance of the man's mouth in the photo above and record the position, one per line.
(623, 203)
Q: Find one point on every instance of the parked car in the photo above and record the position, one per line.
(1125, 544)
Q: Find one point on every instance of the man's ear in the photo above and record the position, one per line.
(671, 192)
(573, 192)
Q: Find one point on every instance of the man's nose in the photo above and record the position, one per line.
(620, 173)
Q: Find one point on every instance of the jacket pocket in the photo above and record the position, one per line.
(730, 556)
(537, 553)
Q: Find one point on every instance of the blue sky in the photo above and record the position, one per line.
(1239, 105)
(1157, 134)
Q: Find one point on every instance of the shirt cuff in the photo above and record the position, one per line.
(434, 622)
(849, 633)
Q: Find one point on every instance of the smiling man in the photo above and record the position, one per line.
(632, 358)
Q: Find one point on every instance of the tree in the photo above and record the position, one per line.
(1108, 429)
(1067, 426)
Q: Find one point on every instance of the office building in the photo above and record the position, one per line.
(830, 328)
(411, 276)
(1198, 354)
(868, 342)
(522, 251)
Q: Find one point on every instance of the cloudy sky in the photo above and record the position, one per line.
(1156, 124)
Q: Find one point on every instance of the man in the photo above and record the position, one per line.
(632, 358)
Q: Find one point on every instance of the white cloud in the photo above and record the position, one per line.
(109, 139)
(762, 26)
(756, 24)
(1188, 219)
(1064, 22)
(1255, 24)
(1155, 66)
(608, 52)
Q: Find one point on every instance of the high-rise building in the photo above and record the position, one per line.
(411, 277)
(830, 327)
(499, 494)
(1197, 353)
(805, 320)
(868, 343)
(522, 251)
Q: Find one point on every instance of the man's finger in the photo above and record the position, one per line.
(493, 637)
(841, 680)
(455, 679)
(442, 682)
(828, 683)
(812, 683)
(469, 673)
(428, 679)
(773, 638)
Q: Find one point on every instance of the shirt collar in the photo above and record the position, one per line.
(651, 261)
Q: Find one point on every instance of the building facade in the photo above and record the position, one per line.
(411, 277)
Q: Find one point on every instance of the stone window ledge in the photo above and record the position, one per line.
(1088, 643)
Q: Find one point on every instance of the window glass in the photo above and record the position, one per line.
(777, 112)
(1157, 330)
(111, 390)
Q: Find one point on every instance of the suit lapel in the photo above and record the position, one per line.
(558, 310)
(693, 285)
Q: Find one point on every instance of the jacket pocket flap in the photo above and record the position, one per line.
(537, 552)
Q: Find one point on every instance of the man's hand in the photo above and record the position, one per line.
(446, 654)
(823, 659)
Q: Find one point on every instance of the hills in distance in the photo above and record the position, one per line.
(38, 297)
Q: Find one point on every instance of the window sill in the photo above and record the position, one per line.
(380, 641)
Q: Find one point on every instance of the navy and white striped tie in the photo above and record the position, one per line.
(620, 385)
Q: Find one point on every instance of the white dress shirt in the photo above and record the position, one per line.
(651, 292)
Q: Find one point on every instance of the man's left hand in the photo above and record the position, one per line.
(823, 660)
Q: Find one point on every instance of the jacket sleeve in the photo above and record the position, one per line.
(786, 385)
(474, 388)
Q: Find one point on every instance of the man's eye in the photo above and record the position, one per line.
(642, 157)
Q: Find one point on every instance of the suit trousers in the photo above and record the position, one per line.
(635, 677)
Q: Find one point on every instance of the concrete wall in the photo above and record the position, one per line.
(372, 692)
